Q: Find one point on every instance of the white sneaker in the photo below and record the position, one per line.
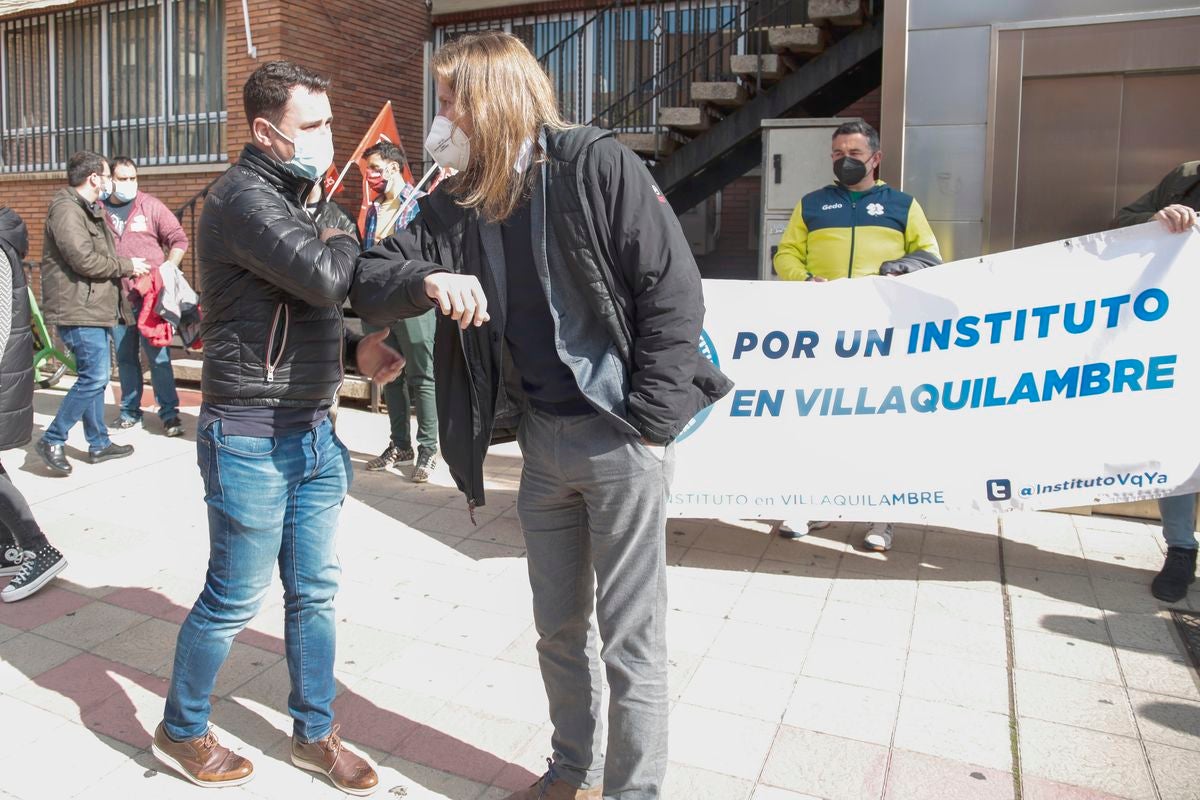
(797, 529)
(879, 537)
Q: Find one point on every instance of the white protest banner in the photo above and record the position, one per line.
(1065, 374)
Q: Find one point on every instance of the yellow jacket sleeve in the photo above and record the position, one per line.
(791, 258)
(918, 235)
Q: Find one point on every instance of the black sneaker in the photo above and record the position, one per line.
(11, 559)
(55, 457)
(173, 427)
(36, 571)
(394, 454)
(114, 450)
(1178, 573)
(426, 462)
(125, 423)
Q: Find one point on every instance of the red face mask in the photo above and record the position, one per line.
(376, 181)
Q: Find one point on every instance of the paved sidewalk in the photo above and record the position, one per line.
(799, 669)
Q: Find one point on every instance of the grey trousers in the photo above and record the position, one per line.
(592, 504)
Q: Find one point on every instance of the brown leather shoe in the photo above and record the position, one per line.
(202, 760)
(552, 787)
(347, 771)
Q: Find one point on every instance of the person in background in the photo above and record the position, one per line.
(1174, 202)
(852, 228)
(143, 227)
(80, 274)
(394, 208)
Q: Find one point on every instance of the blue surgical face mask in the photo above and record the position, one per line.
(314, 152)
(105, 189)
(125, 192)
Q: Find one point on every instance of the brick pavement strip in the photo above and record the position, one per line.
(799, 669)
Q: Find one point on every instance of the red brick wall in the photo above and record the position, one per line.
(364, 76)
(372, 50)
(739, 200)
(867, 108)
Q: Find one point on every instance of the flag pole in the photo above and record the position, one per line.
(412, 197)
(338, 183)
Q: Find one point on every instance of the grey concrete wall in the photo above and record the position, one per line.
(946, 96)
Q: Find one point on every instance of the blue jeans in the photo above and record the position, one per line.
(85, 400)
(129, 369)
(1179, 520)
(269, 500)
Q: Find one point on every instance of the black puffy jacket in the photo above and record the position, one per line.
(273, 332)
(331, 215)
(16, 365)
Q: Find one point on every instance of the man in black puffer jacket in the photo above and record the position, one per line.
(24, 551)
(275, 474)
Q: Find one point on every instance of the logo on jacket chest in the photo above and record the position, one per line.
(875, 209)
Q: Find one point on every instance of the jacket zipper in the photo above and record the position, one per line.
(853, 231)
(281, 309)
(475, 410)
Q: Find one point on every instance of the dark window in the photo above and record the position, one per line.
(143, 78)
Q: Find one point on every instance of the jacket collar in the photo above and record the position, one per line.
(275, 174)
(878, 185)
(94, 210)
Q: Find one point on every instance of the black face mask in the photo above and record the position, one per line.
(849, 171)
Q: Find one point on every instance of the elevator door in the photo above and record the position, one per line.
(1093, 143)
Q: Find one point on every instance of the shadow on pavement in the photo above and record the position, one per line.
(105, 708)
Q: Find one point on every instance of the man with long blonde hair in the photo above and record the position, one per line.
(556, 236)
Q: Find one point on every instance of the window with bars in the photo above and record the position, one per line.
(143, 78)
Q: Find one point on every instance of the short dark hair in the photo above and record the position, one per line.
(82, 165)
(268, 90)
(388, 151)
(858, 126)
(121, 161)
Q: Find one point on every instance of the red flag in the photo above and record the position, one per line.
(383, 129)
(332, 186)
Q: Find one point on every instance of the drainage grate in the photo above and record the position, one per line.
(1188, 625)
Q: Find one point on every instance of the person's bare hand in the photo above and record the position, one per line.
(819, 279)
(329, 233)
(378, 361)
(459, 297)
(1178, 218)
(140, 267)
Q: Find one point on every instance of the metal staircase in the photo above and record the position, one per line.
(697, 118)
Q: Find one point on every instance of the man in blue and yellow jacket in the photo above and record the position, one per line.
(855, 227)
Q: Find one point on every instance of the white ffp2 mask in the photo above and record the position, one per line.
(448, 145)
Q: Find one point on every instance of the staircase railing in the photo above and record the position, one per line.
(188, 215)
(707, 58)
(609, 62)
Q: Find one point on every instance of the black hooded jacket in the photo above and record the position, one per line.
(612, 246)
(16, 363)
